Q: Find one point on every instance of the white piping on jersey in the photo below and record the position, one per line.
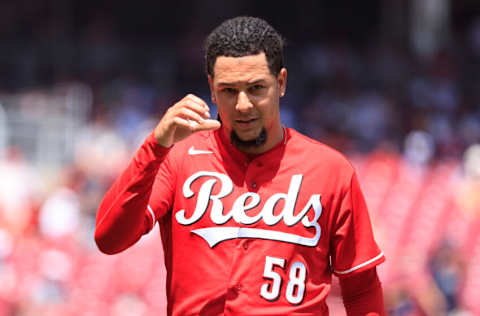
(214, 235)
(360, 265)
(152, 214)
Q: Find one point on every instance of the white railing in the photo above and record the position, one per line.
(3, 131)
(43, 123)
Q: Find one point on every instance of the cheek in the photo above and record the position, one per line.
(225, 114)
(269, 107)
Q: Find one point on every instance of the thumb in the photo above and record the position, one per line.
(208, 125)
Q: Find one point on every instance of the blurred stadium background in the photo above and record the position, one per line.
(395, 85)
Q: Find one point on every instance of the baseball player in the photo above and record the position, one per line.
(255, 218)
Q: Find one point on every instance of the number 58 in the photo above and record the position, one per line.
(295, 286)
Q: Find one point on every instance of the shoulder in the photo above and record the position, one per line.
(317, 152)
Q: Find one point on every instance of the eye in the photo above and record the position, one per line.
(229, 90)
(256, 88)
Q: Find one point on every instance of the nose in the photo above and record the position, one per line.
(243, 102)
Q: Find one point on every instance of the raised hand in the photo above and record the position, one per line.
(187, 116)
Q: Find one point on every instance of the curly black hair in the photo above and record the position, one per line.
(243, 36)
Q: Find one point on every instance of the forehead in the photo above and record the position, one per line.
(246, 68)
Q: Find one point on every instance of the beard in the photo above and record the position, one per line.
(246, 144)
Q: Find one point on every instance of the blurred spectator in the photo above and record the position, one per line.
(19, 191)
(419, 148)
(471, 162)
(399, 302)
(60, 214)
(100, 151)
(447, 268)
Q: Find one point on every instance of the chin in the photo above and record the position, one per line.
(248, 137)
(250, 141)
(248, 134)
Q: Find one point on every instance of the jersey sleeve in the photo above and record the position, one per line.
(124, 214)
(353, 245)
(163, 189)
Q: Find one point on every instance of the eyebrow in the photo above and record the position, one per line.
(237, 82)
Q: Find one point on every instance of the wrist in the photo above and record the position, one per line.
(160, 139)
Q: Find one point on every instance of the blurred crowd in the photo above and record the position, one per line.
(81, 88)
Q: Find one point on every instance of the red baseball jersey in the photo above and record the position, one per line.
(242, 234)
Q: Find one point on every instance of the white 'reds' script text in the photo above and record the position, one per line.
(242, 204)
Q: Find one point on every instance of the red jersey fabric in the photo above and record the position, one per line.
(243, 235)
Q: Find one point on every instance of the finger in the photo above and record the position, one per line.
(197, 100)
(185, 123)
(188, 114)
(194, 106)
(208, 125)
(206, 114)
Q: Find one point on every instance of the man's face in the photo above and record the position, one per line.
(247, 96)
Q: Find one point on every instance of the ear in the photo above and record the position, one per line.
(282, 81)
(212, 90)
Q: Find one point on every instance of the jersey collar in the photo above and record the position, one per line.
(226, 147)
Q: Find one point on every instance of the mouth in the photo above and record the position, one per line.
(246, 124)
(246, 121)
